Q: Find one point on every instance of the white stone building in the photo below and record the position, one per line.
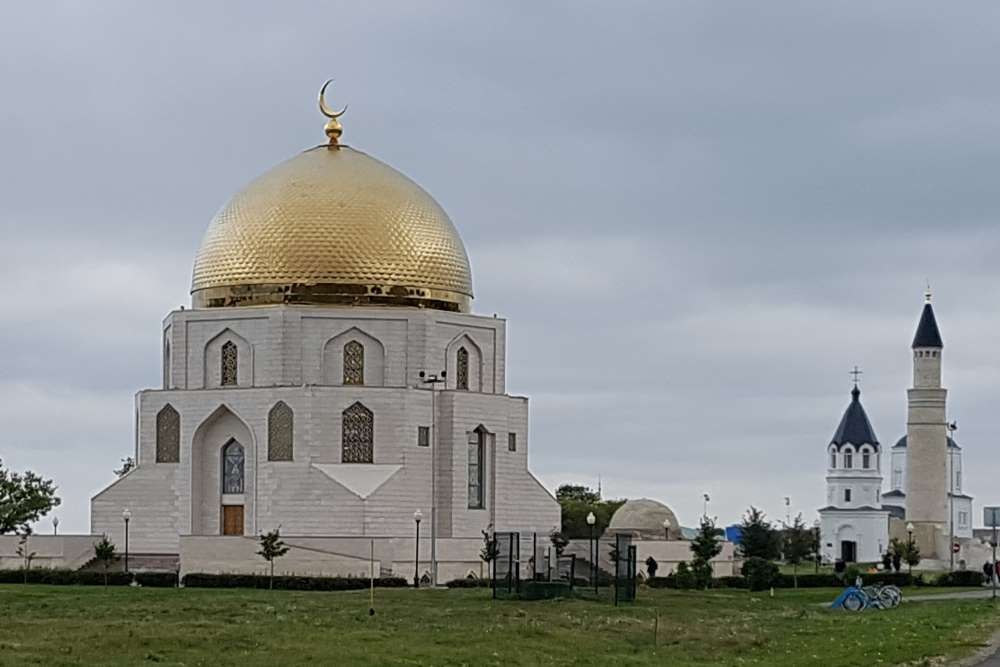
(853, 525)
(297, 391)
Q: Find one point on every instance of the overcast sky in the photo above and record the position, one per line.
(697, 217)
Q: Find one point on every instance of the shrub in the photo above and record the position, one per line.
(684, 578)
(731, 582)
(961, 578)
(760, 573)
(544, 590)
(468, 583)
(199, 580)
(156, 579)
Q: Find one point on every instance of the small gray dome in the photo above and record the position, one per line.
(643, 518)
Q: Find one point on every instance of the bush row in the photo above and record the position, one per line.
(826, 580)
(291, 583)
(62, 577)
(468, 583)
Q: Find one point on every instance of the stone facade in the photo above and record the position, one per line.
(295, 355)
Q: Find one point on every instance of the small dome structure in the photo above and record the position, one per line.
(643, 518)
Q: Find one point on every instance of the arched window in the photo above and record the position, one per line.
(229, 363)
(462, 369)
(833, 458)
(232, 467)
(477, 447)
(848, 459)
(866, 459)
(168, 435)
(354, 363)
(358, 435)
(279, 432)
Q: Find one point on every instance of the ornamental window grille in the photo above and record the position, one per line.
(423, 436)
(354, 363)
(512, 442)
(462, 369)
(866, 460)
(232, 467)
(230, 363)
(477, 445)
(358, 434)
(848, 459)
(279, 432)
(168, 435)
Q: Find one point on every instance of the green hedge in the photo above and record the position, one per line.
(826, 580)
(156, 579)
(62, 577)
(961, 578)
(544, 590)
(291, 583)
(468, 583)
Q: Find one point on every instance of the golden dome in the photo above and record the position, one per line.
(336, 226)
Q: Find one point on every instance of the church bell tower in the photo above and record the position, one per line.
(927, 440)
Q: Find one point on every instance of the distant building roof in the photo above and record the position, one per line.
(895, 493)
(927, 330)
(902, 443)
(863, 508)
(855, 428)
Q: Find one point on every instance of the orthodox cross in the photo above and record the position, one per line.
(857, 373)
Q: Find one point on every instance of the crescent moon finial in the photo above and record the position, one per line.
(324, 109)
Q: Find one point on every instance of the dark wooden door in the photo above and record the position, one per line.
(232, 519)
(848, 550)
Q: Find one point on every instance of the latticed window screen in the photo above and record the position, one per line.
(358, 435)
(423, 436)
(476, 446)
(230, 363)
(168, 435)
(232, 468)
(279, 432)
(462, 368)
(354, 363)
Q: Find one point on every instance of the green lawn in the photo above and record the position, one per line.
(48, 625)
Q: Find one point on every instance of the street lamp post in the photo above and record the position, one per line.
(55, 525)
(591, 520)
(432, 380)
(666, 529)
(909, 548)
(417, 516)
(952, 427)
(126, 515)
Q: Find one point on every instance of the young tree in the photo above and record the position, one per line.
(705, 546)
(800, 544)
(104, 551)
(271, 548)
(24, 498)
(24, 551)
(758, 538)
(576, 503)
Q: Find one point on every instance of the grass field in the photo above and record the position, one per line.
(48, 625)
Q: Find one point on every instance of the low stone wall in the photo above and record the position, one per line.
(53, 551)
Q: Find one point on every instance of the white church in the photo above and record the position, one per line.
(925, 499)
(329, 379)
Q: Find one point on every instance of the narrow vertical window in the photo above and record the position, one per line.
(230, 364)
(166, 364)
(354, 363)
(847, 495)
(232, 467)
(168, 435)
(477, 441)
(358, 430)
(848, 459)
(512, 442)
(423, 436)
(280, 422)
(866, 460)
(833, 459)
(462, 369)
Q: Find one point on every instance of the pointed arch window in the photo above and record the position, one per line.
(833, 458)
(354, 363)
(230, 364)
(848, 459)
(866, 459)
(462, 369)
(357, 435)
(232, 467)
(168, 435)
(279, 432)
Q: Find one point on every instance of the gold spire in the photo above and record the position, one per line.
(333, 127)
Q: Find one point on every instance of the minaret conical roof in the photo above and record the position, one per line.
(855, 428)
(927, 330)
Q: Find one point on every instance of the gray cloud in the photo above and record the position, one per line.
(696, 218)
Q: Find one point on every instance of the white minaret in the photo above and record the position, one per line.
(927, 441)
(853, 525)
